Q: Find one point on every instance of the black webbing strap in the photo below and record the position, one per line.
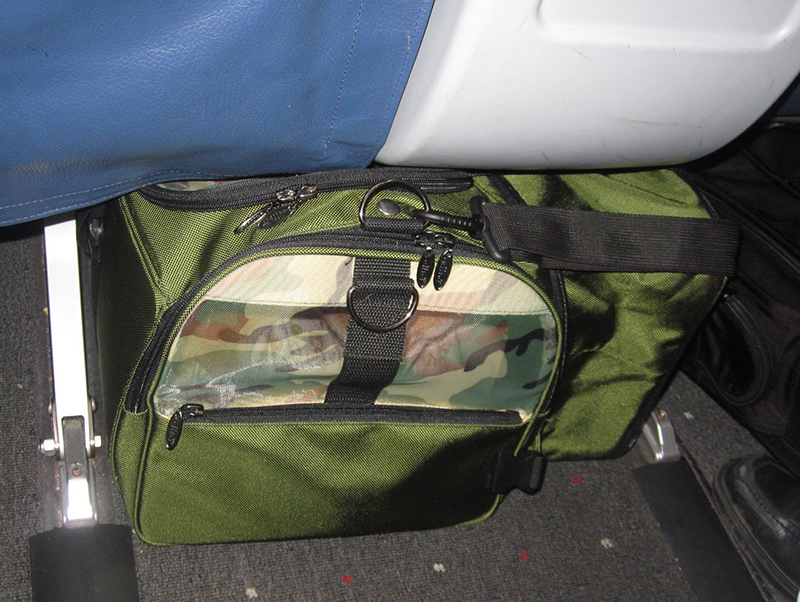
(380, 298)
(615, 242)
(525, 472)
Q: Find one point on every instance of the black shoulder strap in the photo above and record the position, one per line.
(612, 242)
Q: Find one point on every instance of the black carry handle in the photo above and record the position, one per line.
(597, 241)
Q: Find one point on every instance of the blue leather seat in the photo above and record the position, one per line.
(100, 98)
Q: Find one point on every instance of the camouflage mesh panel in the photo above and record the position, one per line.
(272, 333)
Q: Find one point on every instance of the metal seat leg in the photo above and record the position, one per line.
(83, 560)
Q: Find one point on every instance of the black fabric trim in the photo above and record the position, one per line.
(597, 241)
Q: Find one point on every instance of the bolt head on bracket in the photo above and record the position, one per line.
(47, 447)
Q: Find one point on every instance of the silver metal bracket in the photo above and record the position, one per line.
(74, 442)
(77, 476)
(657, 442)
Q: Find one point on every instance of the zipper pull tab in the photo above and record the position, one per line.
(428, 260)
(288, 202)
(445, 264)
(255, 218)
(175, 426)
(277, 211)
(307, 192)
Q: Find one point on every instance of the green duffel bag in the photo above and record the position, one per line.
(388, 349)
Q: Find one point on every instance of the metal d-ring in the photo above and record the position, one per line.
(362, 210)
(412, 308)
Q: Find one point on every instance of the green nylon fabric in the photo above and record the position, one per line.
(182, 246)
(625, 332)
(238, 482)
(659, 192)
(128, 308)
(127, 452)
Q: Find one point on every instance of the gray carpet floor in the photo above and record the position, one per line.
(23, 394)
(588, 535)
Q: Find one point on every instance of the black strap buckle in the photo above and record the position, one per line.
(476, 226)
(524, 471)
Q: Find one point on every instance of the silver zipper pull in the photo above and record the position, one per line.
(278, 211)
(307, 192)
(278, 214)
(289, 201)
(256, 218)
(287, 194)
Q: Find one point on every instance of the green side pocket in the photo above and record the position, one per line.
(261, 481)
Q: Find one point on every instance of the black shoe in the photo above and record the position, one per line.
(761, 501)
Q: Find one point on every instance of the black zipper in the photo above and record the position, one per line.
(755, 226)
(761, 355)
(319, 412)
(787, 184)
(255, 191)
(768, 241)
(348, 238)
